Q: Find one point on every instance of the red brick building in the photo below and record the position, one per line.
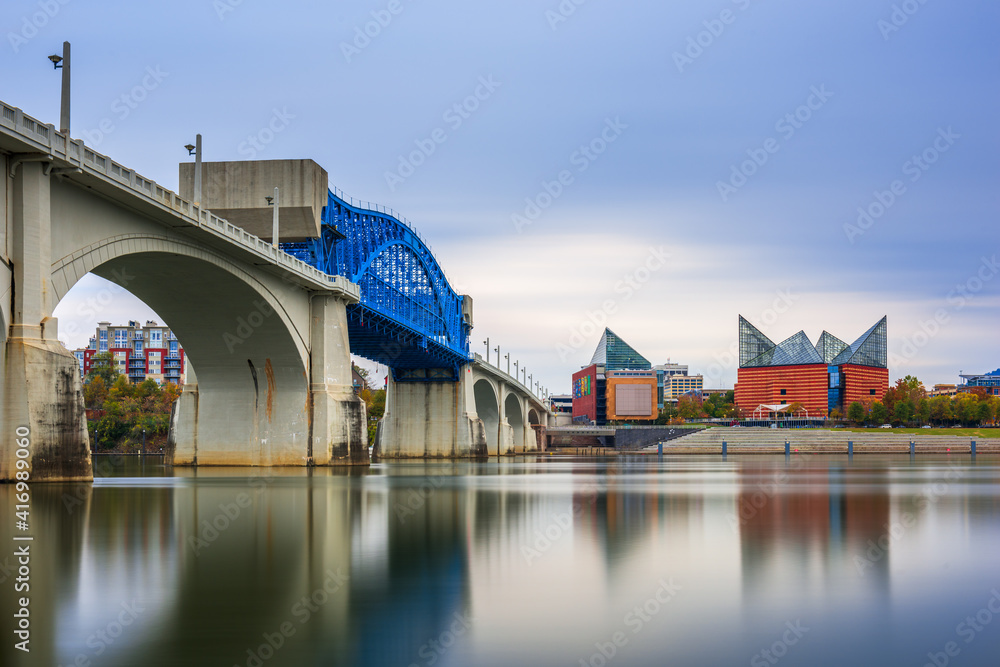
(822, 377)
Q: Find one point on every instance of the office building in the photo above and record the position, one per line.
(140, 352)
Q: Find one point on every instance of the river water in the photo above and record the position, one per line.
(755, 560)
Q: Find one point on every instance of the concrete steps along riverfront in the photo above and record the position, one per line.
(821, 441)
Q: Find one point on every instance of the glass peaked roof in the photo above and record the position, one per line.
(617, 355)
(754, 346)
(868, 350)
(757, 350)
(796, 350)
(829, 346)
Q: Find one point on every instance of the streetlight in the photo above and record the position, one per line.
(515, 370)
(195, 150)
(497, 350)
(273, 201)
(507, 357)
(487, 344)
(63, 64)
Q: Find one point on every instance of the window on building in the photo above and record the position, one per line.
(155, 336)
(784, 392)
(871, 392)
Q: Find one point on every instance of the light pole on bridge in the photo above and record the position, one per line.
(507, 357)
(63, 64)
(196, 151)
(515, 370)
(273, 201)
(487, 344)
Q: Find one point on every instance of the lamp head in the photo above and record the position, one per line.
(55, 61)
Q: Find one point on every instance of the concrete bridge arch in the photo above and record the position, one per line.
(266, 333)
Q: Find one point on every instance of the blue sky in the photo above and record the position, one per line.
(818, 109)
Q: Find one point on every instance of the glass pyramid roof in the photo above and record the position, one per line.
(868, 350)
(617, 355)
(757, 350)
(829, 346)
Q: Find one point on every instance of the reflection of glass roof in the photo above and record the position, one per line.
(757, 350)
(615, 354)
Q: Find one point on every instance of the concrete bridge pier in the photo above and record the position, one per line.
(431, 419)
(338, 424)
(42, 400)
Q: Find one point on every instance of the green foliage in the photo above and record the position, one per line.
(128, 411)
(375, 407)
(103, 365)
(856, 412)
(879, 413)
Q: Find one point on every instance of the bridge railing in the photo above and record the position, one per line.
(75, 152)
(512, 379)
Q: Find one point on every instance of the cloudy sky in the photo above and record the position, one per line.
(660, 167)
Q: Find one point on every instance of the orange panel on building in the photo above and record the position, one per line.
(630, 396)
(805, 384)
(864, 383)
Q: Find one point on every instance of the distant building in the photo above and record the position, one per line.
(990, 381)
(822, 377)
(140, 352)
(684, 384)
(631, 395)
(621, 384)
(943, 390)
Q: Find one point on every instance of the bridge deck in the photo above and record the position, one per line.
(29, 139)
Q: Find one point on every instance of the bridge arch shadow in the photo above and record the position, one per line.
(488, 409)
(250, 363)
(515, 418)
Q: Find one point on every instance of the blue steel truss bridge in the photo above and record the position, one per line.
(409, 317)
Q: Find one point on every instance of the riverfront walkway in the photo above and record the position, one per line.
(820, 441)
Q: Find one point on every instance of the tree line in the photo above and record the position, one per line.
(119, 412)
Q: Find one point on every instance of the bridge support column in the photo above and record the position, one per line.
(42, 403)
(182, 442)
(433, 419)
(338, 422)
